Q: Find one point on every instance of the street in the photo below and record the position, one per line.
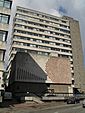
(76, 108)
(51, 108)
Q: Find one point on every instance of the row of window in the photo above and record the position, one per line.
(66, 51)
(4, 19)
(34, 52)
(64, 26)
(43, 25)
(43, 41)
(37, 40)
(43, 35)
(65, 56)
(35, 20)
(43, 53)
(39, 15)
(42, 47)
(6, 3)
(42, 30)
(25, 75)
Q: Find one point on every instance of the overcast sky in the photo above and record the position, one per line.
(73, 8)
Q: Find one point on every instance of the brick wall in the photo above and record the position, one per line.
(58, 70)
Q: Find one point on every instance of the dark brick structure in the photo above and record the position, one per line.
(26, 75)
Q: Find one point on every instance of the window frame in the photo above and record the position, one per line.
(4, 4)
(2, 17)
(4, 35)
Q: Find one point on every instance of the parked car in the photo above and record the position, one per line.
(73, 100)
(83, 103)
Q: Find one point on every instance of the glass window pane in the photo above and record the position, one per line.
(7, 4)
(0, 17)
(1, 3)
(2, 36)
(5, 19)
(1, 55)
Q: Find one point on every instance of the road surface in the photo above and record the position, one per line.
(64, 108)
(75, 108)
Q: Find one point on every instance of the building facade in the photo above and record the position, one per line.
(77, 52)
(41, 33)
(5, 11)
(37, 74)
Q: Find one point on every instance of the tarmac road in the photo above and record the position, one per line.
(75, 108)
(48, 108)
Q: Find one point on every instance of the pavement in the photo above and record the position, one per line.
(48, 107)
(9, 107)
(71, 108)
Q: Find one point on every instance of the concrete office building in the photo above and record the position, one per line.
(41, 33)
(5, 11)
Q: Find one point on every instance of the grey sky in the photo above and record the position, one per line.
(73, 8)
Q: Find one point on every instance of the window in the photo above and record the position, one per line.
(3, 35)
(52, 43)
(4, 19)
(46, 54)
(72, 75)
(1, 2)
(24, 44)
(73, 82)
(39, 53)
(31, 45)
(1, 55)
(64, 31)
(5, 3)
(63, 21)
(63, 26)
(61, 45)
(61, 34)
